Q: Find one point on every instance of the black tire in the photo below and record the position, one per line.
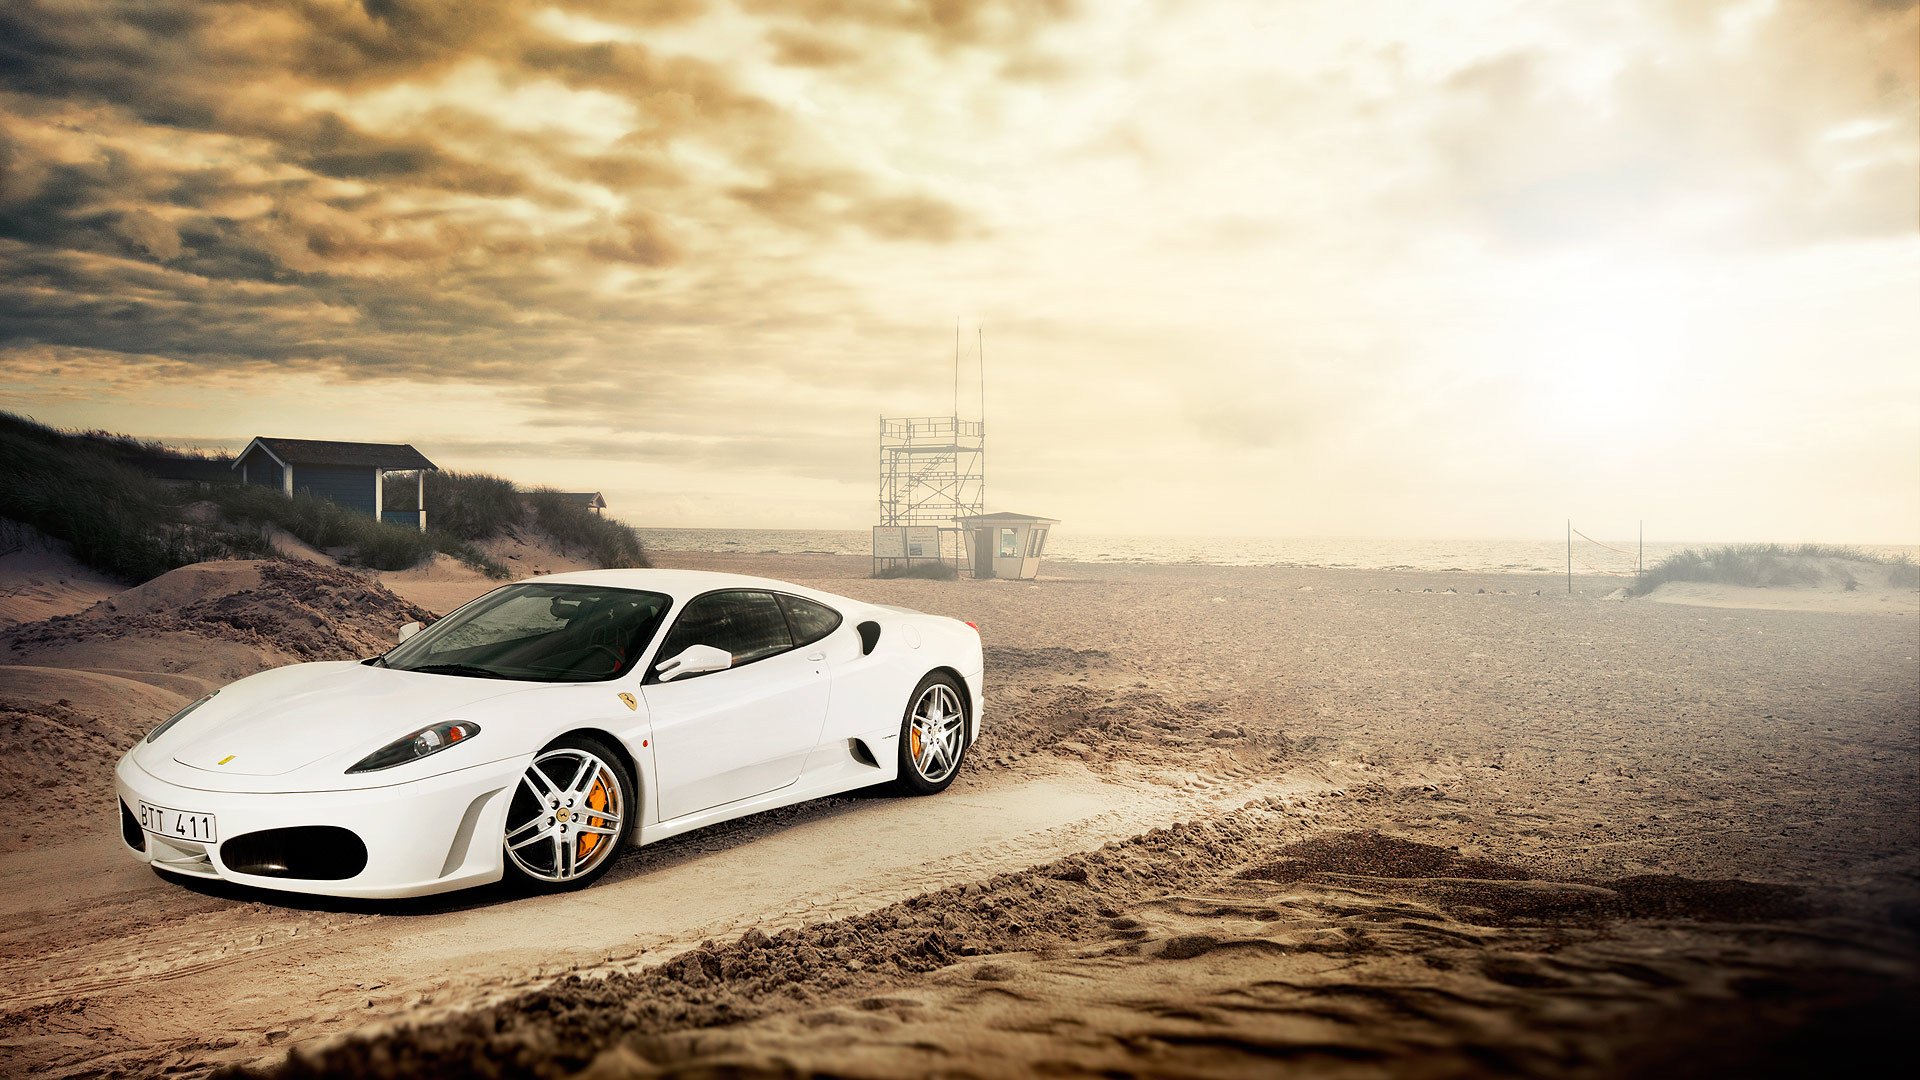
(536, 874)
(915, 777)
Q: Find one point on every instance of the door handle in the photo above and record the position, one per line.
(816, 656)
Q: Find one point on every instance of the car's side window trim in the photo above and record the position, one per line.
(652, 676)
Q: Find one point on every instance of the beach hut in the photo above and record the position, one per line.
(348, 474)
(1007, 545)
(592, 500)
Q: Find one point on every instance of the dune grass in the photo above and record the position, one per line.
(477, 506)
(471, 506)
(80, 488)
(1776, 566)
(574, 527)
(115, 519)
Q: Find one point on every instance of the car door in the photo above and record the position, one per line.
(729, 735)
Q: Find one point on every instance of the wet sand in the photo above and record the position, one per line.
(1224, 821)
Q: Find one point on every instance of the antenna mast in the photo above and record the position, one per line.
(981, 338)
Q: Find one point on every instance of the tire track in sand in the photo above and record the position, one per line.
(288, 977)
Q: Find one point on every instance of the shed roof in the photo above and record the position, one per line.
(331, 452)
(591, 499)
(1008, 519)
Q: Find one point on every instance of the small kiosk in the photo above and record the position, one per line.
(1007, 545)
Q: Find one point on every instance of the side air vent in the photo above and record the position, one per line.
(869, 636)
(860, 753)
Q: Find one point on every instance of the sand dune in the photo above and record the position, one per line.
(1226, 821)
(1867, 600)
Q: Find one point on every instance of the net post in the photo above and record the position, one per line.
(1569, 556)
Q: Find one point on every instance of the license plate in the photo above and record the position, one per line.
(177, 824)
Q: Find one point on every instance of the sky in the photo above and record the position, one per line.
(1262, 268)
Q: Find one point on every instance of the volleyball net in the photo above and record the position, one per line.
(1585, 555)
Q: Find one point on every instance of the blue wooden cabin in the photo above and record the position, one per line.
(348, 474)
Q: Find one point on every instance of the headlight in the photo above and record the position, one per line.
(428, 740)
(177, 717)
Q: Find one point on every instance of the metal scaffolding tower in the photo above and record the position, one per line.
(933, 472)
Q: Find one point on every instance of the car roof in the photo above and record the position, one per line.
(683, 584)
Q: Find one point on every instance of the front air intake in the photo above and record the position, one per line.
(310, 852)
(130, 830)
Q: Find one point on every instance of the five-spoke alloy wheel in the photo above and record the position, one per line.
(933, 736)
(569, 814)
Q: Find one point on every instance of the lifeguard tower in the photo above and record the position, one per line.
(1007, 545)
(933, 472)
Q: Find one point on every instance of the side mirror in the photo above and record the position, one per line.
(408, 630)
(695, 660)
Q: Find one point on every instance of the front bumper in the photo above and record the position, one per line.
(425, 836)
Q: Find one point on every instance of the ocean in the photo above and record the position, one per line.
(1609, 555)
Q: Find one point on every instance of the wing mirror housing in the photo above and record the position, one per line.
(695, 660)
(407, 630)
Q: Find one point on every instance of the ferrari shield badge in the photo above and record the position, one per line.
(632, 703)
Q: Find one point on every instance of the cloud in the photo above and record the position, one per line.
(403, 187)
(1739, 129)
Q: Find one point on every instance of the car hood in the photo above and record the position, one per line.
(285, 719)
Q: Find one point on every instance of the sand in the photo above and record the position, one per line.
(77, 690)
(40, 578)
(1872, 599)
(1226, 821)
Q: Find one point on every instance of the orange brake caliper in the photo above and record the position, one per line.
(597, 800)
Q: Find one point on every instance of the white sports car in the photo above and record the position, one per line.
(539, 729)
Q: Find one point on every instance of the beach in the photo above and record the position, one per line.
(1221, 821)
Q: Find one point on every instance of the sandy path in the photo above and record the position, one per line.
(131, 985)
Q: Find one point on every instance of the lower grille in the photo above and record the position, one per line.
(311, 852)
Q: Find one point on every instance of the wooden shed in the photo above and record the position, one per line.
(592, 500)
(348, 474)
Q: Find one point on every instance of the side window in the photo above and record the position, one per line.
(1037, 543)
(1009, 543)
(810, 621)
(748, 625)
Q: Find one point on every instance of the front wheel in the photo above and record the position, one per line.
(569, 815)
(933, 736)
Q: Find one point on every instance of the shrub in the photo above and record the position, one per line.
(327, 526)
(932, 571)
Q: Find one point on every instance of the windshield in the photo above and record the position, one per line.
(538, 632)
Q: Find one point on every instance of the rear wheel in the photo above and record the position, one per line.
(933, 736)
(569, 815)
